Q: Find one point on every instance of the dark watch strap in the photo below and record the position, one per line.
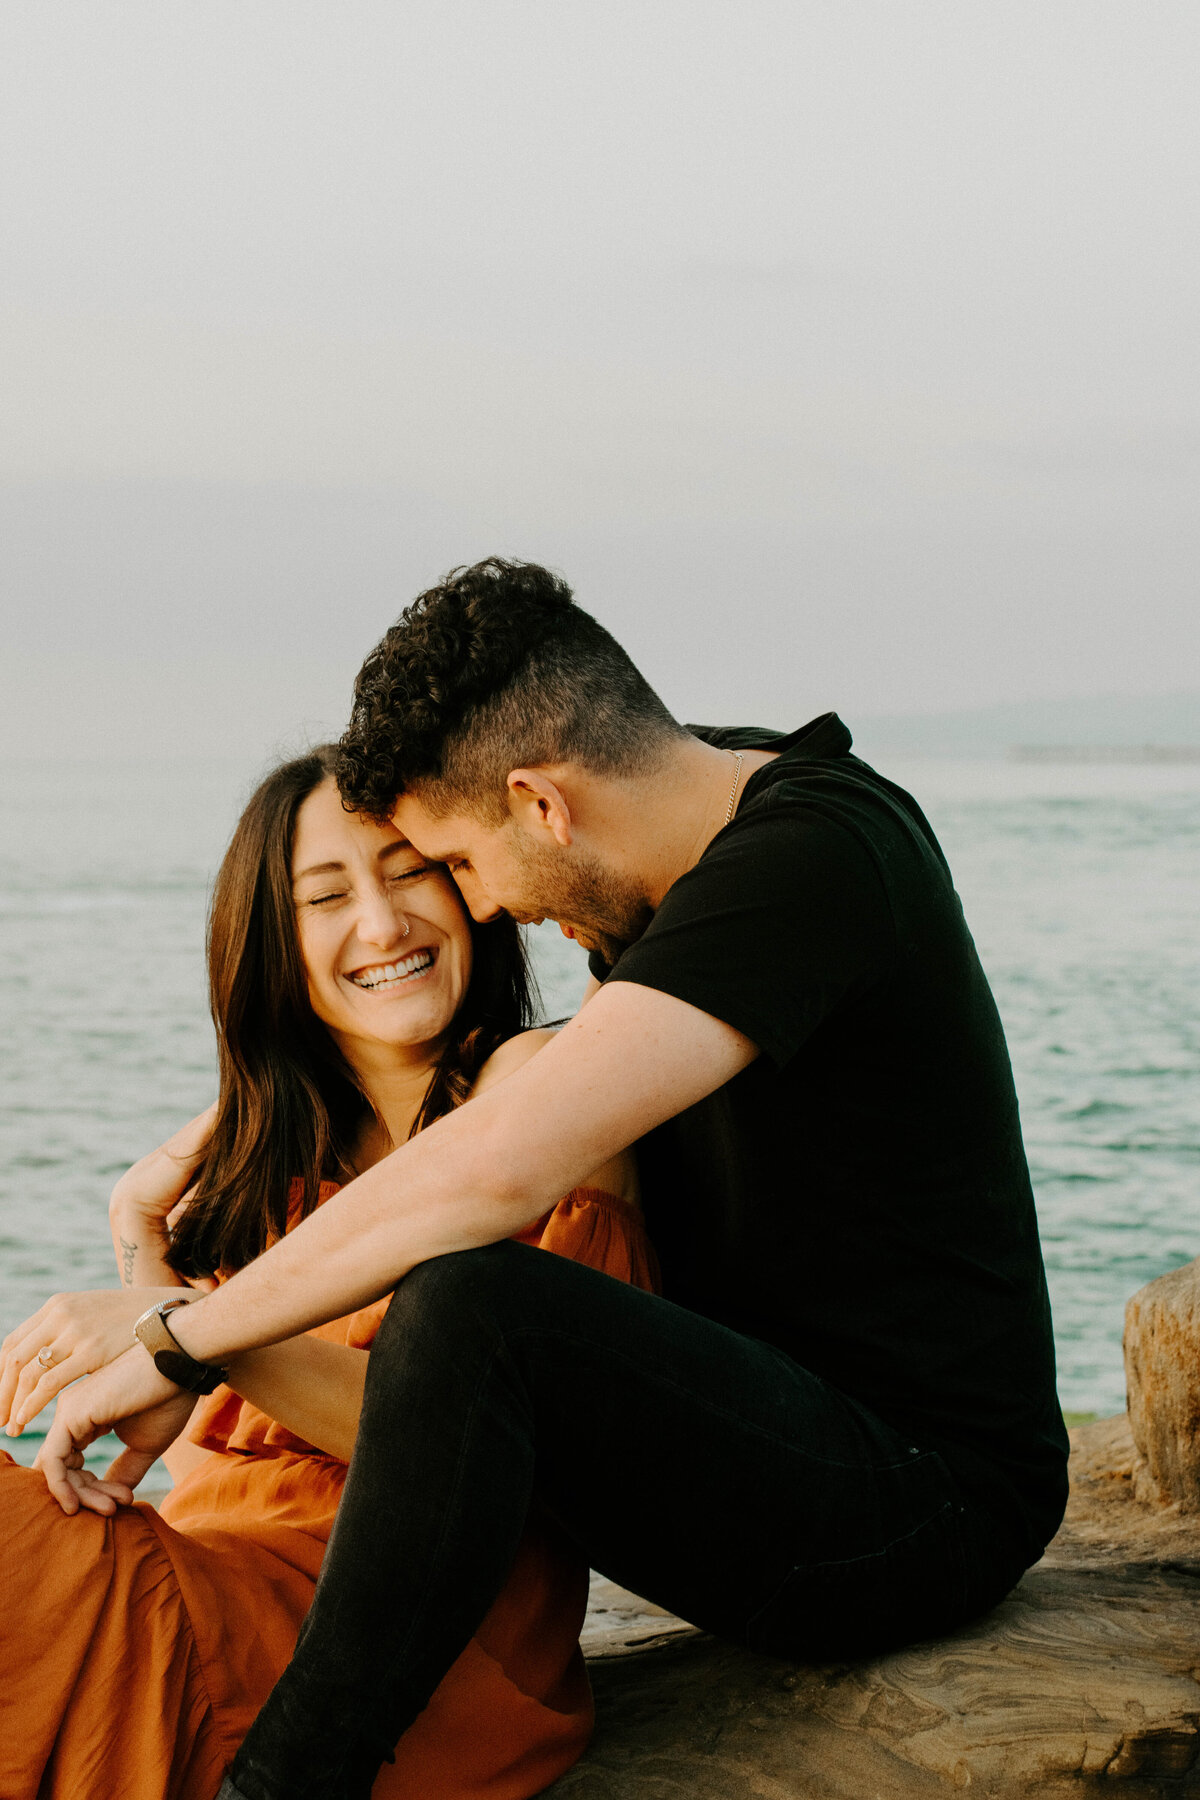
(170, 1357)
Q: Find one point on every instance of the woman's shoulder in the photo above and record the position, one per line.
(509, 1056)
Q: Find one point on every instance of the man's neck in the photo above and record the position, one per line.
(665, 822)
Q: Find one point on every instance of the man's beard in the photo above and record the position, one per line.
(607, 912)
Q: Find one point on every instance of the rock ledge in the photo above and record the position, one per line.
(1085, 1681)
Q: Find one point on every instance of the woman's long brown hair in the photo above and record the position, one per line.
(289, 1106)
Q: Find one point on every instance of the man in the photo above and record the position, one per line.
(837, 1430)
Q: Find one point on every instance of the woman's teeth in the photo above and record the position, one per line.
(392, 974)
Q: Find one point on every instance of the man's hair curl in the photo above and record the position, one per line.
(494, 669)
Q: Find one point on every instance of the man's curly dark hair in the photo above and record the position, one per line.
(494, 669)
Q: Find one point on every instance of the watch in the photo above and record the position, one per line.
(169, 1356)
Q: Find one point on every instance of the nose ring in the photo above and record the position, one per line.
(407, 926)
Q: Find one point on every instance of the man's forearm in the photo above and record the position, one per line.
(420, 1201)
(631, 1059)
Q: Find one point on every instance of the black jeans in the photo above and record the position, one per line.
(702, 1469)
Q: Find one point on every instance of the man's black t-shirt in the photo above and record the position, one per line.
(858, 1196)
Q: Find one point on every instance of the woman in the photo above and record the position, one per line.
(354, 1003)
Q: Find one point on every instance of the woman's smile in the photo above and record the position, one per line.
(388, 978)
(383, 934)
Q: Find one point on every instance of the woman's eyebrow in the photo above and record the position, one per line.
(338, 868)
(325, 868)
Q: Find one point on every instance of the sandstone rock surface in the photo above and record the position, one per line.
(1086, 1681)
(1162, 1375)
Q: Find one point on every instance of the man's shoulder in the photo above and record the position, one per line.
(812, 770)
(820, 739)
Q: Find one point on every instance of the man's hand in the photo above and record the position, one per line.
(130, 1396)
(81, 1332)
(632, 1058)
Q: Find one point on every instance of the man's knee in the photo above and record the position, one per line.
(448, 1292)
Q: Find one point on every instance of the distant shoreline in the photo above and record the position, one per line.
(1105, 753)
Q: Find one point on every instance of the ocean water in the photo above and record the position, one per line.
(1081, 883)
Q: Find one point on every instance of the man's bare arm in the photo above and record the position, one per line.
(632, 1058)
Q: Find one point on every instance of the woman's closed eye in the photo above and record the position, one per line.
(329, 897)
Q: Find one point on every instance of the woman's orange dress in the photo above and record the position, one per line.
(136, 1650)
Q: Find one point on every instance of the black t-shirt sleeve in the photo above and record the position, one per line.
(782, 918)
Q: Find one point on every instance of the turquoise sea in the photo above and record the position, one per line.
(1081, 883)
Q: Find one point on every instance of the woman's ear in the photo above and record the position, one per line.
(538, 804)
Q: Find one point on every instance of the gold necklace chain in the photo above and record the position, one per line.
(737, 776)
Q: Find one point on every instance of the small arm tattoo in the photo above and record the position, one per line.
(128, 1252)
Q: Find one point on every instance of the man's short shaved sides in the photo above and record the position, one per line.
(494, 669)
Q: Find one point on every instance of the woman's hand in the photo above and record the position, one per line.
(82, 1332)
(156, 1183)
(145, 1200)
(89, 1410)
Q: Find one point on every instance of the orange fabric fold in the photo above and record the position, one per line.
(135, 1651)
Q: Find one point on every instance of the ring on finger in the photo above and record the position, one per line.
(46, 1356)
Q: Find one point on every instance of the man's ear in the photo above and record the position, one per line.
(537, 802)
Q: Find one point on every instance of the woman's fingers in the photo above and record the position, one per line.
(71, 1430)
(21, 1357)
(100, 1494)
(22, 1343)
(57, 1464)
(10, 1372)
(75, 1487)
(126, 1470)
(82, 1332)
(38, 1386)
(129, 1393)
(22, 1348)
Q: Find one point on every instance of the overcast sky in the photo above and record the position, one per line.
(841, 355)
